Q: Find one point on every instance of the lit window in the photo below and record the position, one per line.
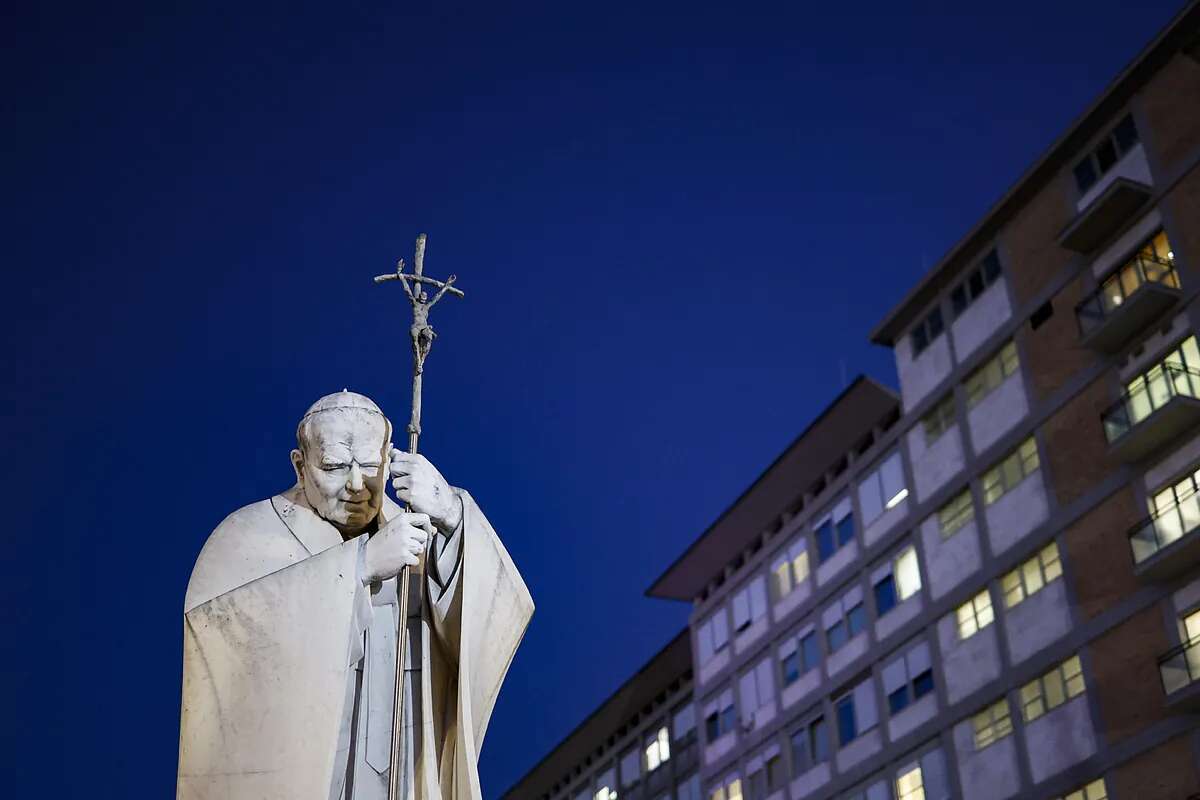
(882, 489)
(728, 789)
(1096, 790)
(956, 513)
(658, 750)
(910, 785)
(1012, 469)
(975, 615)
(1052, 689)
(939, 419)
(1030, 577)
(605, 793)
(790, 568)
(981, 382)
(992, 724)
(901, 581)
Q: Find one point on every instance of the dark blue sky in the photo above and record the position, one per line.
(675, 226)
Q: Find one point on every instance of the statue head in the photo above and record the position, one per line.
(341, 459)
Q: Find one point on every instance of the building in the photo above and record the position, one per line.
(640, 743)
(988, 586)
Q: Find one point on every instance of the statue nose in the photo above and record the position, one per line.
(355, 483)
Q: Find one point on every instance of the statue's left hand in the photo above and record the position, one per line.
(418, 483)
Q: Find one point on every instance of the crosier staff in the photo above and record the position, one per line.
(422, 335)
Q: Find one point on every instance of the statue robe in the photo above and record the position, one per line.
(283, 647)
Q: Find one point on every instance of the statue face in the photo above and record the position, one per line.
(342, 468)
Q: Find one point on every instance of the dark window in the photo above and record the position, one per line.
(920, 339)
(847, 725)
(845, 529)
(885, 595)
(809, 652)
(898, 700)
(1085, 175)
(1125, 134)
(958, 300)
(1044, 312)
(926, 331)
(972, 286)
(810, 746)
(836, 635)
(991, 267)
(791, 669)
(935, 324)
(857, 619)
(820, 740)
(923, 684)
(712, 727)
(826, 547)
(727, 719)
(1106, 156)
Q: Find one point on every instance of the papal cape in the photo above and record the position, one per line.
(272, 627)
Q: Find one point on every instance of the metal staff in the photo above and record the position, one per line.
(422, 335)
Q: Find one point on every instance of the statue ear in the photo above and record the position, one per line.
(298, 465)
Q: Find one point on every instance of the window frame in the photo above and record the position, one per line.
(1091, 159)
(991, 374)
(923, 334)
(839, 534)
(1047, 560)
(1010, 471)
(976, 614)
(791, 561)
(995, 721)
(953, 515)
(939, 419)
(852, 620)
(1059, 685)
(816, 746)
(874, 481)
(976, 282)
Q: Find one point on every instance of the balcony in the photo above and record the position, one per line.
(1180, 671)
(1166, 544)
(1119, 201)
(1125, 304)
(1157, 406)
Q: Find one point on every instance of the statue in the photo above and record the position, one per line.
(300, 682)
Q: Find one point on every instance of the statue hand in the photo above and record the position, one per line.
(398, 545)
(418, 483)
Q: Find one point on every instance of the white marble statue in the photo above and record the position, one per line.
(291, 620)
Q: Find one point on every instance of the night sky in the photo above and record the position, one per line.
(675, 227)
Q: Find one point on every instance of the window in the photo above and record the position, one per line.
(835, 531)
(983, 381)
(926, 331)
(630, 768)
(844, 619)
(1052, 689)
(719, 716)
(956, 513)
(1096, 790)
(975, 615)
(749, 604)
(764, 773)
(992, 724)
(790, 568)
(798, 655)
(606, 786)
(939, 419)
(1175, 374)
(756, 689)
(1030, 577)
(975, 283)
(689, 789)
(908, 678)
(683, 723)
(883, 488)
(658, 749)
(855, 712)
(1119, 141)
(897, 581)
(910, 784)
(713, 635)
(1012, 469)
(728, 789)
(810, 745)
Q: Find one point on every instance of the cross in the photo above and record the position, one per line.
(422, 334)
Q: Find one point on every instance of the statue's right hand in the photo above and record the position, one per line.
(398, 545)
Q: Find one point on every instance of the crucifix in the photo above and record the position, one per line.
(422, 336)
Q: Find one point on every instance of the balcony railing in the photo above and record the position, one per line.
(1151, 391)
(1180, 667)
(1100, 305)
(1165, 528)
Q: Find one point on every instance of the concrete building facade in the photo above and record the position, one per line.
(987, 585)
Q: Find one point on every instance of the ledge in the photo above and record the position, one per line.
(1103, 216)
